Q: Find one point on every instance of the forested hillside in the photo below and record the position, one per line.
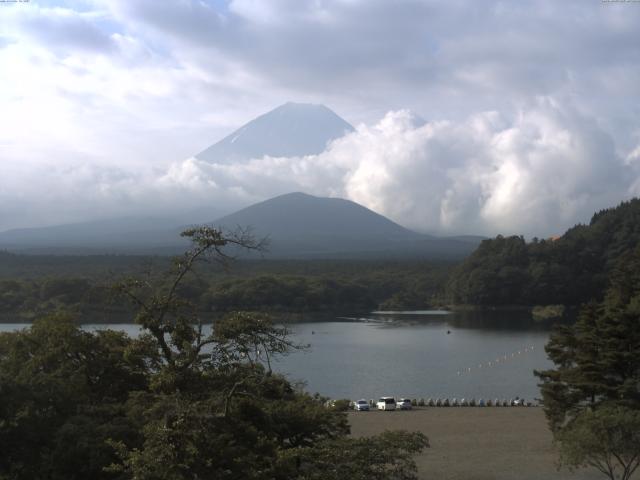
(567, 270)
(33, 285)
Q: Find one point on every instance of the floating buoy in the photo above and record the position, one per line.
(498, 360)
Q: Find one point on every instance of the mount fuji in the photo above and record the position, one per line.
(290, 130)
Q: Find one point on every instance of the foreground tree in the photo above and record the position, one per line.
(63, 393)
(388, 456)
(216, 409)
(180, 401)
(606, 438)
(592, 397)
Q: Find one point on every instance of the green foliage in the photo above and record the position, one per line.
(276, 286)
(289, 293)
(244, 336)
(493, 274)
(569, 270)
(325, 286)
(547, 312)
(598, 358)
(607, 439)
(62, 392)
(387, 456)
(594, 390)
(341, 405)
(25, 267)
(173, 403)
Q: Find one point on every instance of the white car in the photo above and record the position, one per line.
(404, 404)
(361, 405)
(386, 403)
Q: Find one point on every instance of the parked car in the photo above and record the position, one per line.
(361, 406)
(386, 403)
(404, 404)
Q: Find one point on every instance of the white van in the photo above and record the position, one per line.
(386, 403)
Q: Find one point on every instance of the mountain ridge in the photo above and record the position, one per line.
(299, 202)
(301, 225)
(298, 225)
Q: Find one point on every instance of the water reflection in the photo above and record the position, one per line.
(516, 320)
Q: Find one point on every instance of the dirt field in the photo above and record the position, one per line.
(476, 443)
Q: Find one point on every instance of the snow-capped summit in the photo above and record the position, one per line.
(292, 129)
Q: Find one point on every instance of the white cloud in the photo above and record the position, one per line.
(535, 174)
(99, 99)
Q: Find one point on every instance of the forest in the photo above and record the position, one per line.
(33, 285)
(568, 270)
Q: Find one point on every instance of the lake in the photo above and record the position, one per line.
(419, 354)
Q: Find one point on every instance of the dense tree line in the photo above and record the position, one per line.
(386, 288)
(569, 270)
(28, 299)
(314, 288)
(23, 266)
(174, 403)
(289, 293)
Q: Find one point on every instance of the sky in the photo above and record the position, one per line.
(471, 117)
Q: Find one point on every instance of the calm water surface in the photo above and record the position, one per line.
(414, 354)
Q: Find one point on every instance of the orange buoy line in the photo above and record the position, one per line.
(499, 360)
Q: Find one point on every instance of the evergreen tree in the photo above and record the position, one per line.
(596, 383)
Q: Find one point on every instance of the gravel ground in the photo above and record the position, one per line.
(476, 443)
